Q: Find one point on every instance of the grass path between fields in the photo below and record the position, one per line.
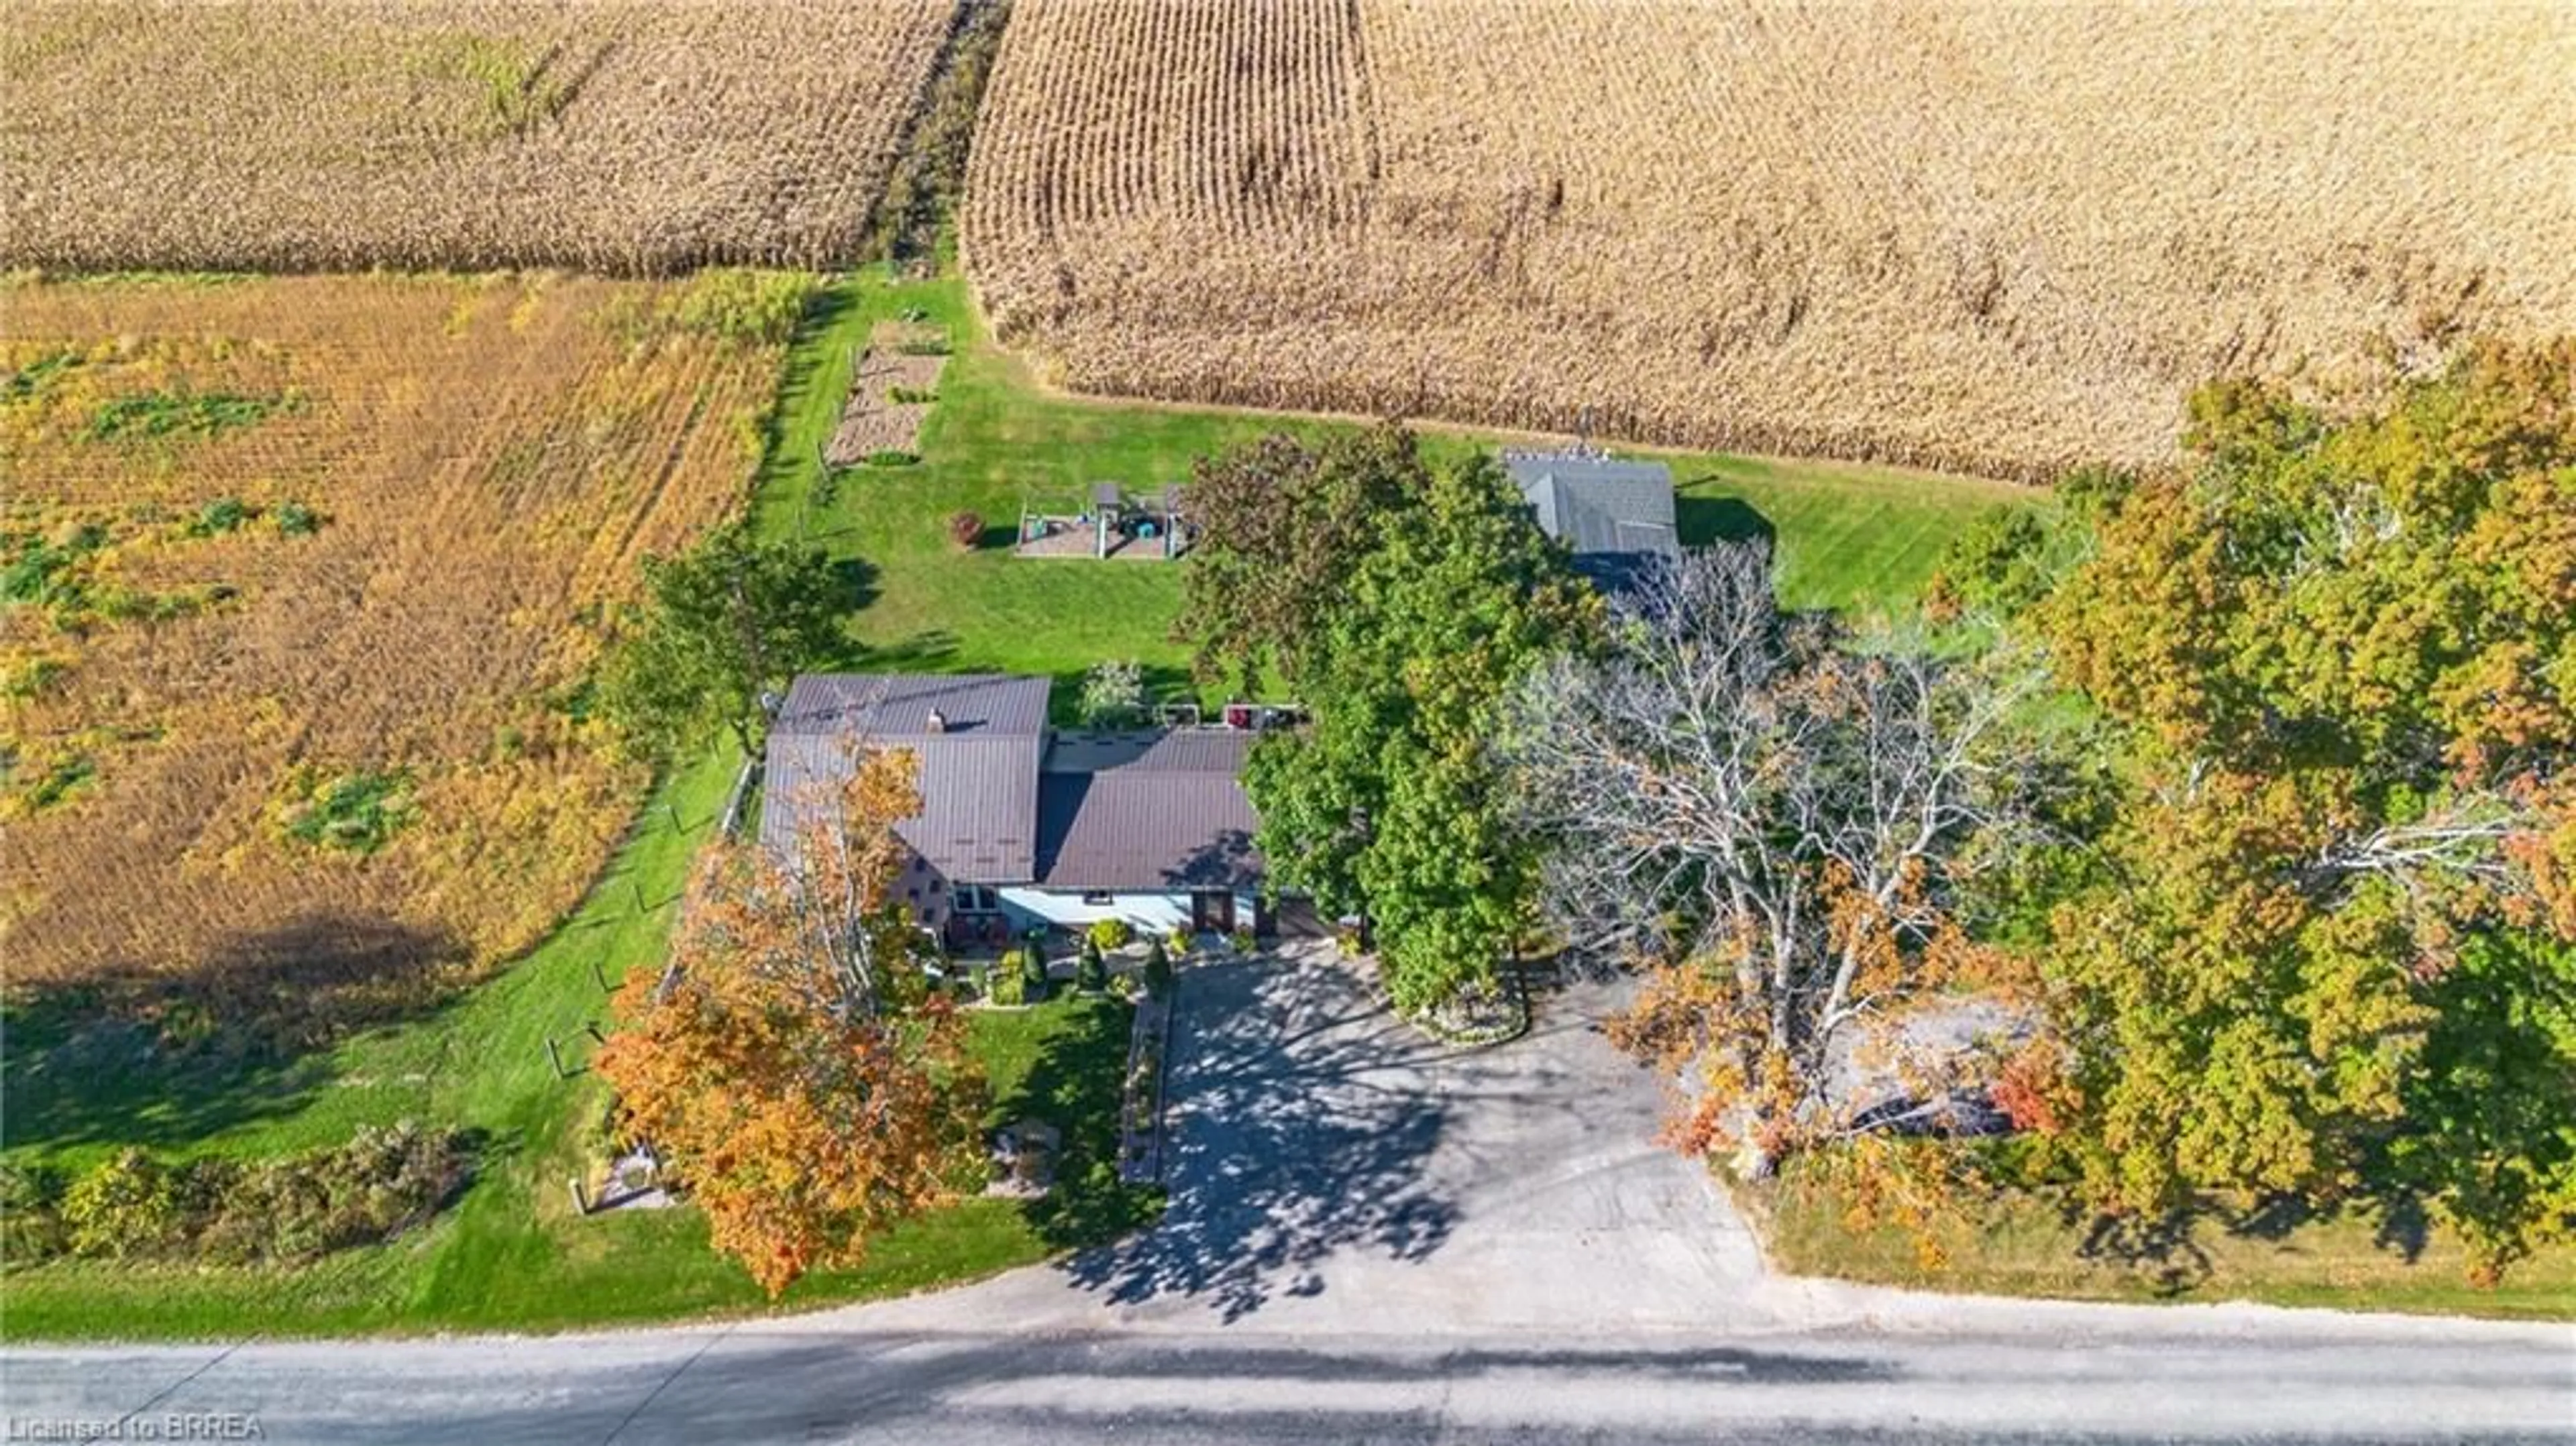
(513, 1254)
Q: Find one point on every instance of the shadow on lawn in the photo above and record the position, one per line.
(1075, 1085)
(2166, 1250)
(1293, 1148)
(144, 1056)
(1704, 520)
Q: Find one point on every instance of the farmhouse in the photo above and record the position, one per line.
(1023, 824)
(1614, 516)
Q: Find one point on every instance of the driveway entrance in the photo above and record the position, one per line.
(1326, 1161)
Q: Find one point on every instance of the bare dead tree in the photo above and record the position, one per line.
(1779, 812)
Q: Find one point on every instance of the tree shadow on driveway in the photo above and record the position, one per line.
(1298, 1128)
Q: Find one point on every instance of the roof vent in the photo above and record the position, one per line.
(938, 721)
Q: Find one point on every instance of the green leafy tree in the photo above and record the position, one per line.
(2343, 654)
(724, 623)
(2491, 1112)
(1279, 528)
(1392, 800)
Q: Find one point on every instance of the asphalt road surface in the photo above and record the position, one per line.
(818, 1385)
(1372, 1239)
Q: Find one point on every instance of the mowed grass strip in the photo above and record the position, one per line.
(513, 1254)
(2020, 1243)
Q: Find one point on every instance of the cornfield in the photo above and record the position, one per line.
(301, 580)
(2000, 238)
(634, 136)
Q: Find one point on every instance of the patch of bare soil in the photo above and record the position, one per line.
(889, 392)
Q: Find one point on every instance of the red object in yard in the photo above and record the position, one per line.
(1238, 715)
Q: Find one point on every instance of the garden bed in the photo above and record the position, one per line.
(891, 392)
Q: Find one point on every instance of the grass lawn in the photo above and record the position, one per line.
(513, 1254)
(1849, 536)
(516, 1257)
(2024, 1244)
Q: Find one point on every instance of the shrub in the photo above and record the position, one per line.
(889, 457)
(294, 1207)
(911, 396)
(1007, 982)
(1033, 972)
(1091, 972)
(31, 1213)
(966, 529)
(294, 519)
(130, 1205)
(1158, 972)
(1181, 941)
(1111, 934)
(384, 1181)
(1243, 941)
(1113, 694)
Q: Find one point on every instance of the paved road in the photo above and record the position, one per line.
(1372, 1238)
(1217, 1386)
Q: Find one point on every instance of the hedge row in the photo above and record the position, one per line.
(138, 1206)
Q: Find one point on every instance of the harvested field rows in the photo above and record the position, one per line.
(1998, 238)
(619, 135)
(302, 577)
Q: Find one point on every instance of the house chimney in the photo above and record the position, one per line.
(938, 721)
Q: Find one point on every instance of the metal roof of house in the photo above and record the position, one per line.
(1595, 505)
(899, 705)
(978, 765)
(1150, 809)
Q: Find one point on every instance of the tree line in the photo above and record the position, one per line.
(2240, 790)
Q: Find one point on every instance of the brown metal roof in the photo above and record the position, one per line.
(979, 769)
(899, 705)
(1150, 809)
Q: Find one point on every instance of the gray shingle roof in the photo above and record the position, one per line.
(979, 772)
(1594, 505)
(1149, 809)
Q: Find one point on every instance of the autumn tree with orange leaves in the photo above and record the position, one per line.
(1775, 823)
(791, 1066)
(2328, 943)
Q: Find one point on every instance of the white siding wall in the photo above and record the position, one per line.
(1157, 913)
